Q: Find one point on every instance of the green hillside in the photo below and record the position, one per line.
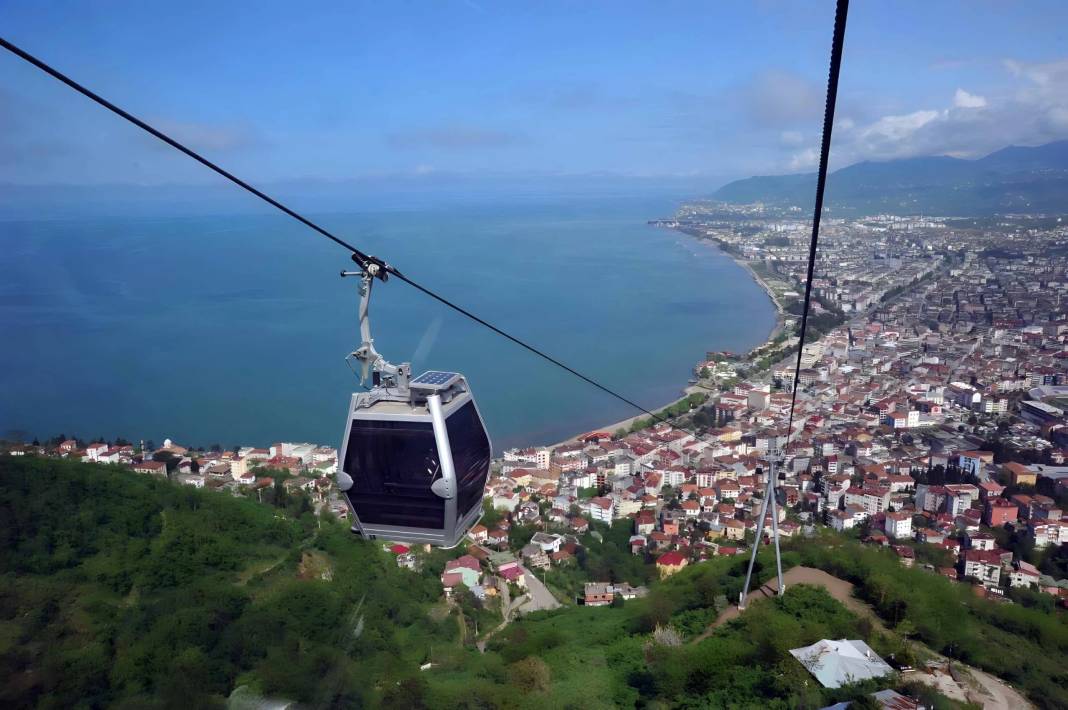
(122, 590)
(119, 589)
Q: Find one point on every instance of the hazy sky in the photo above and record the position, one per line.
(284, 90)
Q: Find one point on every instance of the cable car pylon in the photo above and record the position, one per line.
(769, 504)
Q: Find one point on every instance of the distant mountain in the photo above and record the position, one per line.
(1013, 179)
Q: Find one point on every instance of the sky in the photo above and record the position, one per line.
(309, 91)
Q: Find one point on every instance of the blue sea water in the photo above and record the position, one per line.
(232, 329)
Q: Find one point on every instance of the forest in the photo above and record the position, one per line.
(125, 590)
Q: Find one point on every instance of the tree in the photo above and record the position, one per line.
(531, 674)
(167, 458)
(490, 515)
(407, 693)
(1054, 561)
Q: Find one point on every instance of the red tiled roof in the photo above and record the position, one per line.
(671, 559)
(465, 561)
(512, 573)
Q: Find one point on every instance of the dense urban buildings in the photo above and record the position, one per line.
(930, 408)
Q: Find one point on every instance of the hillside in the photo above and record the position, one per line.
(121, 590)
(1014, 179)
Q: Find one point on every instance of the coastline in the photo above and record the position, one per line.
(776, 329)
(780, 313)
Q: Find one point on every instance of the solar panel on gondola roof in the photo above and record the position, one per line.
(434, 380)
(433, 377)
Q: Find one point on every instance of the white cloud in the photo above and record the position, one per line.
(807, 159)
(889, 129)
(791, 138)
(1044, 75)
(1030, 110)
(962, 99)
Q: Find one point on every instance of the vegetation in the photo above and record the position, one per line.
(683, 406)
(1026, 646)
(819, 324)
(124, 590)
(119, 589)
(647, 652)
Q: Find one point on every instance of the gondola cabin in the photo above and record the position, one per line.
(415, 460)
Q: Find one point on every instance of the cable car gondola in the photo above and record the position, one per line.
(415, 455)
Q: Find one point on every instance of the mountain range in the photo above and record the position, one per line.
(1013, 179)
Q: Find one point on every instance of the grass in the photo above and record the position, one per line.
(575, 644)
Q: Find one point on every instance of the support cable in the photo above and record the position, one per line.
(774, 455)
(381, 269)
(837, 42)
(373, 265)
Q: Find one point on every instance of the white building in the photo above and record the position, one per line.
(898, 525)
(505, 501)
(599, 508)
(1049, 533)
(1024, 575)
(842, 520)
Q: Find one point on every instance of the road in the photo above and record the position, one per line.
(540, 596)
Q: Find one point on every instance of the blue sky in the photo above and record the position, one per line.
(281, 91)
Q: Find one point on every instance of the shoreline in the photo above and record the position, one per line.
(776, 329)
(780, 312)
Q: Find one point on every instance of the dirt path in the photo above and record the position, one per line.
(975, 686)
(246, 575)
(1001, 696)
(838, 588)
(508, 611)
(982, 688)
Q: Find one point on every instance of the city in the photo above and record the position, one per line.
(682, 356)
(930, 413)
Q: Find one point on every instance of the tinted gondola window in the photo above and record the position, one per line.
(470, 455)
(392, 465)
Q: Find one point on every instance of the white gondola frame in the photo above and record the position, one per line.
(437, 413)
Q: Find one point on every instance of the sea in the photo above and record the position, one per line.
(232, 329)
